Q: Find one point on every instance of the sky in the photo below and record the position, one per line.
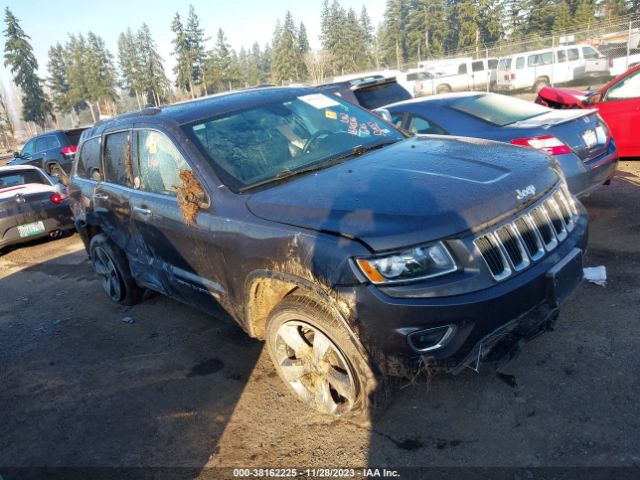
(243, 22)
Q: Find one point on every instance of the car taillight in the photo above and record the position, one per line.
(70, 150)
(56, 198)
(547, 143)
(611, 63)
(513, 76)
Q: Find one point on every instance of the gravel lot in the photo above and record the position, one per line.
(81, 387)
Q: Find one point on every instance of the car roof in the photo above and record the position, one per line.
(9, 168)
(557, 47)
(206, 107)
(440, 100)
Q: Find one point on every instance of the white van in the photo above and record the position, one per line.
(539, 68)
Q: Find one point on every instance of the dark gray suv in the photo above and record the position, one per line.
(357, 253)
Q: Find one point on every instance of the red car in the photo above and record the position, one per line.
(618, 103)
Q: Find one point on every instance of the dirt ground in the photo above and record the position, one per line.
(80, 387)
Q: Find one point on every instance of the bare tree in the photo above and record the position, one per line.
(318, 64)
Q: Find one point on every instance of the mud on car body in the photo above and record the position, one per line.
(357, 253)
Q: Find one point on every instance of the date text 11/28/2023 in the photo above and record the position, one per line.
(315, 472)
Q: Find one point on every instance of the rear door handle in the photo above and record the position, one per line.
(101, 196)
(142, 211)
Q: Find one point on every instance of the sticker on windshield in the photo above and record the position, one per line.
(344, 117)
(331, 114)
(319, 101)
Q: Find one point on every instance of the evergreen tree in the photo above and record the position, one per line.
(130, 69)
(287, 61)
(181, 50)
(19, 57)
(427, 30)
(612, 9)
(155, 84)
(223, 67)
(58, 80)
(393, 35)
(303, 41)
(563, 19)
(265, 62)
(368, 36)
(196, 44)
(100, 74)
(585, 13)
(541, 17)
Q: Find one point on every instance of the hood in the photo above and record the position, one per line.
(562, 96)
(414, 191)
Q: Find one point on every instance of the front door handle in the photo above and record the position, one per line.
(101, 196)
(142, 211)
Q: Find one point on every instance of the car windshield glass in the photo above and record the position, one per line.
(277, 139)
(20, 177)
(380, 95)
(498, 109)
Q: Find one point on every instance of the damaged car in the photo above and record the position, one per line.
(358, 253)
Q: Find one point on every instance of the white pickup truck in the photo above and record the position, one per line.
(471, 75)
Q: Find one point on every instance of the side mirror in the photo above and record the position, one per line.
(593, 99)
(384, 114)
(16, 155)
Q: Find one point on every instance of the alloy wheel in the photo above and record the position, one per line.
(107, 273)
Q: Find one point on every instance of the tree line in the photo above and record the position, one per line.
(84, 76)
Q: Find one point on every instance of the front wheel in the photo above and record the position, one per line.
(315, 356)
(540, 84)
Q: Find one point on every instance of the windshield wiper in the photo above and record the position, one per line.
(354, 152)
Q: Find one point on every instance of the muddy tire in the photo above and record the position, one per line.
(317, 359)
(112, 268)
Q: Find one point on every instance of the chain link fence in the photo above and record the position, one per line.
(588, 55)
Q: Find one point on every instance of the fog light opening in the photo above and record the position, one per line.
(431, 338)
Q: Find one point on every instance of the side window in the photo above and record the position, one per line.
(424, 126)
(573, 55)
(41, 145)
(533, 60)
(462, 68)
(493, 63)
(589, 53)
(52, 142)
(627, 88)
(520, 63)
(160, 163)
(396, 119)
(562, 56)
(117, 159)
(28, 148)
(412, 77)
(477, 66)
(89, 160)
(546, 58)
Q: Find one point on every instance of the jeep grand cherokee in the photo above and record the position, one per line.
(356, 253)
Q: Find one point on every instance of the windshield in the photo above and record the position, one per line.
(380, 95)
(266, 141)
(498, 110)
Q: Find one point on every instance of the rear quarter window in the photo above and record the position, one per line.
(88, 161)
(504, 64)
(498, 110)
(520, 63)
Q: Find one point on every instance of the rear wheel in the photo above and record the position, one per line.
(110, 264)
(58, 172)
(443, 89)
(315, 356)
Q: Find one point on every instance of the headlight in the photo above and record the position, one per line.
(417, 263)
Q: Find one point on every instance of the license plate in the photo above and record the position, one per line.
(590, 138)
(31, 229)
(564, 277)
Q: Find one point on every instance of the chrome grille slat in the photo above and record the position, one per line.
(513, 246)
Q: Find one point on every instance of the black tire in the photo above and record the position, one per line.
(111, 266)
(443, 89)
(540, 84)
(372, 391)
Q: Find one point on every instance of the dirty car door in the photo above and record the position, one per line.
(111, 197)
(172, 255)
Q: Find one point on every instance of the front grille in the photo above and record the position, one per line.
(513, 246)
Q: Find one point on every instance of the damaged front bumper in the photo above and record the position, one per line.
(483, 325)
